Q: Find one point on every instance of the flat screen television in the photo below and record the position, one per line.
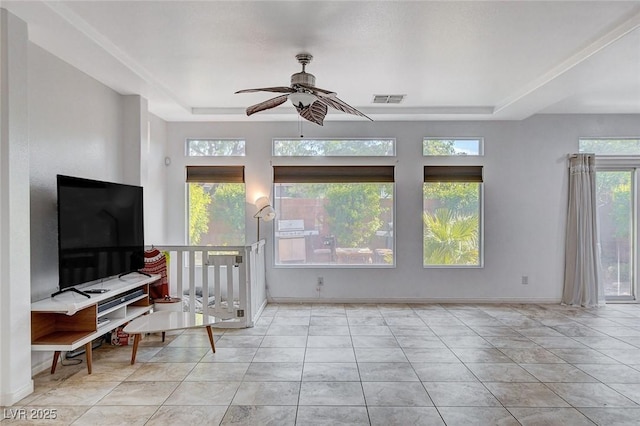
(100, 230)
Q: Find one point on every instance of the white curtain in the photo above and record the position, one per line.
(582, 283)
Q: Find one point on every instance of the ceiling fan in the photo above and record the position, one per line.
(310, 101)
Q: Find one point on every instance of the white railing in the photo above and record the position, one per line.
(227, 282)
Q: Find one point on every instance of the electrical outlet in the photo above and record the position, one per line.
(320, 281)
(525, 280)
(240, 313)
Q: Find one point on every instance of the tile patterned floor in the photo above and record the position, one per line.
(395, 364)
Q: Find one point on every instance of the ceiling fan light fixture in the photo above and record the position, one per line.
(302, 99)
(311, 102)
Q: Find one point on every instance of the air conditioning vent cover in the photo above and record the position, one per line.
(388, 99)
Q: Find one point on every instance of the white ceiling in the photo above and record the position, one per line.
(483, 60)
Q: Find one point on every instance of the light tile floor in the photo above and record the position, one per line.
(395, 364)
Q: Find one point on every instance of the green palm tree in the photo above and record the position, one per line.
(450, 238)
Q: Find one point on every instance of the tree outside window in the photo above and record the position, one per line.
(215, 147)
(615, 217)
(451, 222)
(448, 147)
(334, 147)
(217, 214)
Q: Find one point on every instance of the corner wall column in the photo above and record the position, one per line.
(135, 134)
(15, 258)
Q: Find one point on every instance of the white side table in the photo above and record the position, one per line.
(167, 321)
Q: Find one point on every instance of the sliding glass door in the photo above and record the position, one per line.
(617, 215)
(617, 166)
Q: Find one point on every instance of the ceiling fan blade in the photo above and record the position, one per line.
(340, 105)
(268, 104)
(316, 89)
(280, 89)
(314, 112)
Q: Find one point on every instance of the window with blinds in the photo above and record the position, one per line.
(216, 205)
(340, 216)
(452, 216)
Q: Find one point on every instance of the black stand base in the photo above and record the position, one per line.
(131, 272)
(75, 290)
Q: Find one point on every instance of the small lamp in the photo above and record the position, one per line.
(265, 212)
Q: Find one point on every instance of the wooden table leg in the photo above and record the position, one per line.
(88, 348)
(136, 340)
(56, 355)
(210, 333)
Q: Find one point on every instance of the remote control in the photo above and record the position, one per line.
(96, 290)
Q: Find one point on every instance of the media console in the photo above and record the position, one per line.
(69, 320)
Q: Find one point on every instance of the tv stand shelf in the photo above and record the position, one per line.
(70, 320)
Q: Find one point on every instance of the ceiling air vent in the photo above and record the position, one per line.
(388, 99)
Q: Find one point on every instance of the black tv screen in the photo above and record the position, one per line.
(100, 230)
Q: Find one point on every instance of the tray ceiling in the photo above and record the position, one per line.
(481, 60)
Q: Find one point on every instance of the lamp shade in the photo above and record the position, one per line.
(268, 214)
(265, 211)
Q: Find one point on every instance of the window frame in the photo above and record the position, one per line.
(480, 182)
(620, 162)
(461, 138)
(363, 164)
(617, 165)
(188, 140)
(276, 155)
(622, 158)
(217, 174)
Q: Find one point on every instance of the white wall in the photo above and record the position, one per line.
(79, 127)
(524, 210)
(74, 129)
(134, 138)
(154, 178)
(15, 318)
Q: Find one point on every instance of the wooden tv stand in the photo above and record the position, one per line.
(70, 320)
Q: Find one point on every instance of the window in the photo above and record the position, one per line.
(215, 147)
(615, 195)
(452, 216)
(334, 147)
(334, 215)
(617, 167)
(216, 205)
(611, 146)
(453, 146)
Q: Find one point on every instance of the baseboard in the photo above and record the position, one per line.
(444, 300)
(256, 315)
(8, 399)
